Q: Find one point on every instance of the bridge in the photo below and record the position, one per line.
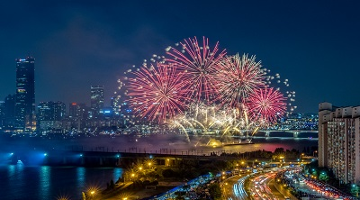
(287, 133)
(262, 133)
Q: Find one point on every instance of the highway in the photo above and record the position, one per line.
(259, 186)
(233, 188)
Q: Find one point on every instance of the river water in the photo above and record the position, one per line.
(19, 181)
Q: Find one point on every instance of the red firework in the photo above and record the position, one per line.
(157, 92)
(266, 104)
(239, 77)
(199, 65)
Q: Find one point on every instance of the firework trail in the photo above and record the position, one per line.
(199, 65)
(157, 92)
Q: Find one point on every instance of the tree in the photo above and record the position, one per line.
(112, 185)
(355, 190)
(279, 151)
(179, 196)
(215, 191)
(167, 173)
(323, 176)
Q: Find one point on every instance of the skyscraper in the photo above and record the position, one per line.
(97, 100)
(25, 95)
(78, 114)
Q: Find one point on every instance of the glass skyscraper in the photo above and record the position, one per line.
(97, 100)
(25, 95)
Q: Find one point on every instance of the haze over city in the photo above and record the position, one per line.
(78, 44)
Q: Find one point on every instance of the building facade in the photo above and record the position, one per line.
(78, 115)
(51, 111)
(97, 100)
(339, 141)
(50, 115)
(9, 113)
(25, 95)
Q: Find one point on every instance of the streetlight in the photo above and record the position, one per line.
(91, 194)
(132, 175)
(254, 162)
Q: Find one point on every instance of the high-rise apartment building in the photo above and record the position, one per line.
(339, 141)
(97, 100)
(25, 95)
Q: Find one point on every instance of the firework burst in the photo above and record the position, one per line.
(239, 77)
(197, 89)
(199, 64)
(266, 105)
(157, 92)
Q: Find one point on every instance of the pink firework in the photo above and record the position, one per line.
(239, 77)
(199, 65)
(266, 104)
(157, 92)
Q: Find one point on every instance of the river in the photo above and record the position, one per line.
(20, 181)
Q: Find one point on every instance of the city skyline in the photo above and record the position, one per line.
(78, 44)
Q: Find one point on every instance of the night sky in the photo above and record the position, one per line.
(314, 44)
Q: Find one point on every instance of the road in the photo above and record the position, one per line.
(233, 188)
(263, 187)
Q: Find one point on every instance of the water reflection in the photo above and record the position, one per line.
(11, 172)
(117, 174)
(80, 174)
(45, 180)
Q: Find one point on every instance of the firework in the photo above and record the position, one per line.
(199, 64)
(239, 77)
(157, 92)
(197, 89)
(266, 105)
